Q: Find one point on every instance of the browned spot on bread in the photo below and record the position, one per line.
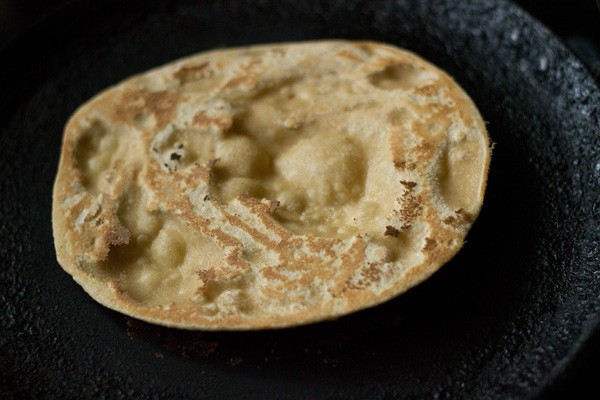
(398, 151)
(349, 55)
(223, 238)
(161, 104)
(398, 116)
(202, 119)
(411, 205)
(273, 273)
(410, 185)
(430, 244)
(465, 216)
(391, 231)
(255, 233)
(450, 220)
(400, 164)
(206, 275)
(322, 245)
(350, 263)
(436, 125)
(370, 274)
(459, 218)
(191, 176)
(274, 206)
(428, 90)
(235, 260)
(118, 235)
(189, 73)
(238, 80)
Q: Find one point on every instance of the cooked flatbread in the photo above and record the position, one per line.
(268, 186)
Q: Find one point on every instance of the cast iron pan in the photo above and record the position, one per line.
(507, 318)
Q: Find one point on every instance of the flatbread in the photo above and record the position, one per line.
(268, 186)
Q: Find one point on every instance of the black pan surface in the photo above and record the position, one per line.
(507, 318)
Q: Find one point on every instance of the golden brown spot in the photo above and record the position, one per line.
(118, 235)
(197, 173)
(428, 90)
(323, 245)
(234, 259)
(400, 164)
(351, 260)
(465, 216)
(161, 104)
(459, 218)
(255, 205)
(206, 275)
(399, 152)
(397, 116)
(430, 244)
(411, 206)
(409, 184)
(224, 239)
(256, 234)
(349, 55)
(248, 65)
(201, 118)
(434, 126)
(370, 274)
(214, 288)
(238, 80)
(189, 73)
(273, 273)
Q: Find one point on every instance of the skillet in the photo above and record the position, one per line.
(509, 317)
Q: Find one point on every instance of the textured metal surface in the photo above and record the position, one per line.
(505, 319)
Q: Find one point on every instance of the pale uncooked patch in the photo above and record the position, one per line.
(268, 186)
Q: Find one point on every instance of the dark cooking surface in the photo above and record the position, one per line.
(503, 319)
(576, 22)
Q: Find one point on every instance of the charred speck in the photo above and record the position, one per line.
(274, 206)
(408, 184)
(175, 156)
(180, 146)
(391, 231)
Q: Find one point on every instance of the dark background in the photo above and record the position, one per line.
(576, 22)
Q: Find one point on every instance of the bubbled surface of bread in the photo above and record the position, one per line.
(268, 186)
